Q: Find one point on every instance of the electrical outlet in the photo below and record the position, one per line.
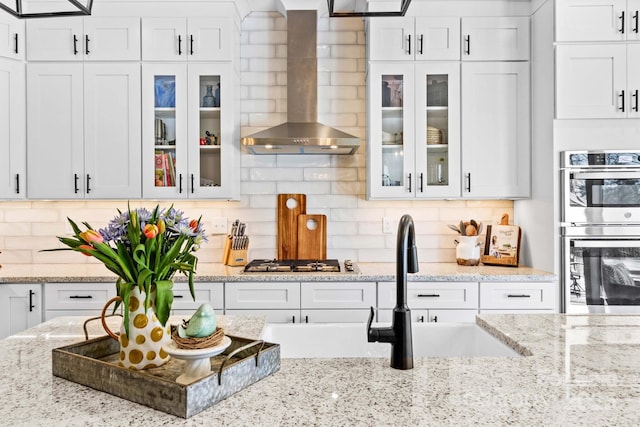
(388, 224)
(219, 226)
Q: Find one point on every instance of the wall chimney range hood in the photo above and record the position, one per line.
(302, 133)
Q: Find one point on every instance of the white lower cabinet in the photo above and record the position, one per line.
(432, 301)
(20, 307)
(308, 302)
(205, 293)
(76, 299)
(518, 297)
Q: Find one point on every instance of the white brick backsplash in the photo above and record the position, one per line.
(334, 185)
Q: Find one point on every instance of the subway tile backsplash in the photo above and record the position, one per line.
(335, 185)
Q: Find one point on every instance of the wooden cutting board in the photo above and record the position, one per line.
(312, 242)
(289, 207)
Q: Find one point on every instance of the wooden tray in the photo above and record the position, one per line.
(93, 363)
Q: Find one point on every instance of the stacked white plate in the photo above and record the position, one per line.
(434, 135)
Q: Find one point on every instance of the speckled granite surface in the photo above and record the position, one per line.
(583, 370)
(216, 272)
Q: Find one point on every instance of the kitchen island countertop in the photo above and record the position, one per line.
(217, 272)
(583, 371)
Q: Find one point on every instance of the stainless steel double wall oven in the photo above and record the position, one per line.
(600, 224)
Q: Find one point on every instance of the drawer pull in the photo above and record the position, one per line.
(518, 296)
(178, 296)
(428, 295)
(80, 297)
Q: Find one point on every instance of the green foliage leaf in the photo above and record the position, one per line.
(164, 299)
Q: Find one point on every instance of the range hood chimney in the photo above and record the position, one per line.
(302, 133)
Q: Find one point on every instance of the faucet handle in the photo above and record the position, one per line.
(370, 321)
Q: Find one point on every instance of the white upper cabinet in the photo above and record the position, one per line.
(84, 130)
(11, 37)
(187, 39)
(88, 39)
(496, 130)
(495, 38)
(597, 20)
(414, 130)
(189, 143)
(12, 130)
(411, 38)
(597, 81)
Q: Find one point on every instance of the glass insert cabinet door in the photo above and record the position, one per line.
(188, 134)
(390, 115)
(438, 130)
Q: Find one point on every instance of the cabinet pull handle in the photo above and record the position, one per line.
(306, 319)
(468, 179)
(180, 189)
(634, 95)
(518, 296)
(621, 108)
(421, 43)
(179, 44)
(421, 319)
(192, 183)
(293, 319)
(178, 296)
(75, 44)
(621, 17)
(635, 23)
(88, 181)
(80, 297)
(435, 319)
(75, 183)
(409, 38)
(86, 44)
(428, 295)
(421, 182)
(31, 306)
(191, 44)
(467, 42)
(409, 183)
(18, 182)
(15, 37)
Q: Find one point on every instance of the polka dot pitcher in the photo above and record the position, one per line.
(145, 345)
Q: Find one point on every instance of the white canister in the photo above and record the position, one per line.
(468, 250)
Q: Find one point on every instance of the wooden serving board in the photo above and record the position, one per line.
(288, 224)
(312, 243)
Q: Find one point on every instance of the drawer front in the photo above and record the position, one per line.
(431, 295)
(335, 316)
(338, 295)
(518, 295)
(262, 295)
(206, 293)
(437, 315)
(273, 316)
(77, 296)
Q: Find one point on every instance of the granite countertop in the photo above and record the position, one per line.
(583, 370)
(217, 272)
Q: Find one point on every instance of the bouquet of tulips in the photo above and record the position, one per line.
(144, 249)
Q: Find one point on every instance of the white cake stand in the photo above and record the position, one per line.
(197, 363)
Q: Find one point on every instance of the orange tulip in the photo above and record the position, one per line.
(91, 236)
(150, 231)
(86, 248)
(194, 225)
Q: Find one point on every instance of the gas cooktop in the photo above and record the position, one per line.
(297, 265)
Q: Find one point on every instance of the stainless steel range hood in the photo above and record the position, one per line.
(301, 134)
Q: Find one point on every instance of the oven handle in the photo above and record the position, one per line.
(605, 243)
(606, 175)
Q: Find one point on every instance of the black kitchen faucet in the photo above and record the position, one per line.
(399, 333)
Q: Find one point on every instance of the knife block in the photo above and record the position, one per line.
(233, 257)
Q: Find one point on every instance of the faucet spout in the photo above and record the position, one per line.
(399, 334)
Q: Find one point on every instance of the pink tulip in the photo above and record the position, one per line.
(91, 236)
(150, 231)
